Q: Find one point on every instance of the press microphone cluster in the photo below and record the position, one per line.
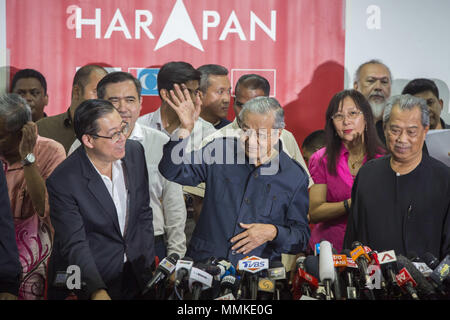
(364, 274)
(358, 273)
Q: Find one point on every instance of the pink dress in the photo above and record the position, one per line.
(339, 188)
(34, 235)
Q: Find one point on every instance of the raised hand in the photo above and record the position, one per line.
(29, 137)
(180, 101)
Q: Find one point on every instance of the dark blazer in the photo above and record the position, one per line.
(87, 232)
(10, 268)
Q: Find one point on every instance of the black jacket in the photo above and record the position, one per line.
(87, 232)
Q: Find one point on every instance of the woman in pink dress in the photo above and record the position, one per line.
(351, 141)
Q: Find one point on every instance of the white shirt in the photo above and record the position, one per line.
(166, 197)
(118, 192)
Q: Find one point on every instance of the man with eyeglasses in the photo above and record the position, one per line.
(123, 90)
(401, 201)
(99, 200)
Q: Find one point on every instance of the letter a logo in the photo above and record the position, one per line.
(179, 26)
(74, 279)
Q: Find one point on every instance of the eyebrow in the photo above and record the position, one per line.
(127, 97)
(378, 78)
(115, 129)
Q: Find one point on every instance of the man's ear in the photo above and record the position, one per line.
(76, 92)
(164, 94)
(441, 102)
(46, 100)
(88, 141)
(355, 85)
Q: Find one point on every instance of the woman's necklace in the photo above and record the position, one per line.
(353, 164)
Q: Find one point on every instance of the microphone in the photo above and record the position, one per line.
(326, 267)
(377, 274)
(407, 282)
(253, 265)
(351, 288)
(388, 264)
(304, 284)
(430, 260)
(277, 273)
(165, 268)
(426, 272)
(227, 286)
(362, 259)
(199, 280)
(182, 269)
(422, 284)
(440, 272)
(420, 264)
(312, 266)
(266, 287)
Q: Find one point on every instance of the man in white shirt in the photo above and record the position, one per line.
(164, 118)
(166, 198)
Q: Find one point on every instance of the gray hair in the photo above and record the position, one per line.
(407, 102)
(264, 105)
(373, 61)
(15, 111)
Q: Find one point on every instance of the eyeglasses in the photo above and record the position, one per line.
(352, 115)
(116, 135)
(396, 131)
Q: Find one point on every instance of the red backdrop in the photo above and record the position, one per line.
(297, 44)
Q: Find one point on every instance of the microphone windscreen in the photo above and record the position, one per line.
(422, 283)
(312, 266)
(326, 264)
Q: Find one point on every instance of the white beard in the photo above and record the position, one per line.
(377, 109)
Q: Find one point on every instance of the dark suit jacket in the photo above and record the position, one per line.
(10, 268)
(87, 232)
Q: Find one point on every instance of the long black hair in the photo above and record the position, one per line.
(333, 142)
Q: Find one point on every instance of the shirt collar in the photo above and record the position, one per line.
(156, 120)
(115, 165)
(137, 133)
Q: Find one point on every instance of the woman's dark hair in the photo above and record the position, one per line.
(333, 142)
(87, 114)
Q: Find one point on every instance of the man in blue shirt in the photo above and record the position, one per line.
(256, 197)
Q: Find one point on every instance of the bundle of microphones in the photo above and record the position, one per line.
(357, 274)
(253, 279)
(363, 274)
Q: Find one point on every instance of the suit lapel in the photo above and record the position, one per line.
(98, 189)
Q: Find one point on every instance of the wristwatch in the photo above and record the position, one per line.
(29, 159)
